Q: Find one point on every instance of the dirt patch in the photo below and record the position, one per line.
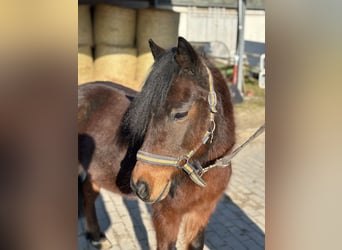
(250, 114)
(249, 118)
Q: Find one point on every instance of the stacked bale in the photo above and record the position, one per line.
(85, 64)
(121, 35)
(115, 53)
(116, 64)
(85, 42)
(114, 25)
(85, 31)
(162, 27)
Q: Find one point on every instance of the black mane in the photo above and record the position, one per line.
(151, 98)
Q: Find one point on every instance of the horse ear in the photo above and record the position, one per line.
(155, 49)
(186, 55)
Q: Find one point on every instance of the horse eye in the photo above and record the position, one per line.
(181, 115)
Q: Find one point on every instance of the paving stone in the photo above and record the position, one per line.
(252, 245)
(258, 237)
(238, 222)
(234, 243)
(216, 241)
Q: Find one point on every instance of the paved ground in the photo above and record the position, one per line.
(238, 222)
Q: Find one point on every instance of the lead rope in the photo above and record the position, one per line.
(226, 160)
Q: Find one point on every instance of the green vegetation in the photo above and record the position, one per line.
(253, 94)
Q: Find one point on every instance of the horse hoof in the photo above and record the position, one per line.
(101, 244)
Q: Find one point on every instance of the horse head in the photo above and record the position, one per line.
(176, 119)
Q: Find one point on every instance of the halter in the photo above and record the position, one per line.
(194, 170)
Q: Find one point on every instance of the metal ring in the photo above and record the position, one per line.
(213, 127)
(212, 100)
(183, 158)
(200, 172)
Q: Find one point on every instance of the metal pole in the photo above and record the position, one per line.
(241, 42)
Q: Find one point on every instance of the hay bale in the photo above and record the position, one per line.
(144, 64)
(160, 25)
(85, 31)
(116, 64)
(85, 65)
(114, 25)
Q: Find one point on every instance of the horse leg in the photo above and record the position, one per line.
(90, 193)
(195, 224)
(197, 220)
(198, 242)
(166, 224)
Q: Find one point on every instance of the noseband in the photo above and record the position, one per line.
(194, 170)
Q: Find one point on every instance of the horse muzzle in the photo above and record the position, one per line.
(143, 191)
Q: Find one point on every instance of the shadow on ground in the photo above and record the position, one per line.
(229, 227)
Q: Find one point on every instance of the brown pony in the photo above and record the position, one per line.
(157, 144)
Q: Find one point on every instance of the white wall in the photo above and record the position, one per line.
(255, 26)
(219, 24)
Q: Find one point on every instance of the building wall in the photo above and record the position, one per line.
(219, 24)
(255, 26)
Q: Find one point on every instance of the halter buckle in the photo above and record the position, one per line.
(182, 161)
(212, 100)
(199, 168)
(211, 131)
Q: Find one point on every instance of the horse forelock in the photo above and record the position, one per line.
(152, 97)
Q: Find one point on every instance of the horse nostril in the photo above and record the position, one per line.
(142, 190)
